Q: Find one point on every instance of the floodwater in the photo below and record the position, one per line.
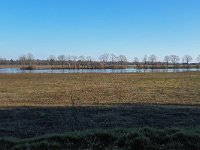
(16, 70)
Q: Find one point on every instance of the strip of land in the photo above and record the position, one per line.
(118, 139)
(33, 105)
(99, 89)
(27, 122)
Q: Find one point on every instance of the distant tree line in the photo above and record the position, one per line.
(104, 61)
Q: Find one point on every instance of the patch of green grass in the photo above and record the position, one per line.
(118, 139)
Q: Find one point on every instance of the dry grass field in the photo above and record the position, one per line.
(99, 89)
(103, 101)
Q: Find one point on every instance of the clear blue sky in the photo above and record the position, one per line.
(92, 27)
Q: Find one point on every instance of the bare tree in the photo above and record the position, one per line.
(145, 61)
(61, 58)
(174, 59)
(113, 60)
(69, 60)
(1, 60)
(11, 61)
(74, 58)
(198, 60)
(152, 60)
(136, 62)
(22, 60)
(122, 59)
(89, 61)
(82, 61)
(30, 59)
(167, 60)
(51, 60)
(104, 59)
(187, 59)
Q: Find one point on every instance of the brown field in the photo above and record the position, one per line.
(99, 89)
(132, 100)
(9, 66)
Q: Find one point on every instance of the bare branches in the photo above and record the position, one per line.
(51, 60)
(167, 60)
(122, 59)
(22, 60)
(62, 59)
(105, 61)
(26, 60)
(113, 60)
(174, 59)
(136, 62)
(198, 59)
(145, 61)
(152, 60)
(187, 59)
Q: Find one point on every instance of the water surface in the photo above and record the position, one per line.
(16, 70)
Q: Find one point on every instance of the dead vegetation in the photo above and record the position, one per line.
(99, 89)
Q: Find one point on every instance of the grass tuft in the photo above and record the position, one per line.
(119, 139)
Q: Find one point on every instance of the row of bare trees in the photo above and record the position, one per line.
(104, 61)
(73, 62)
(26, 60)
(171, 61)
